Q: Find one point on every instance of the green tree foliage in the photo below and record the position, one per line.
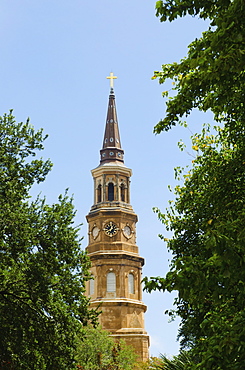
(154, 363)
(42, 268)
(98, 351)
(207, 217)
(178, 362)
(212, 75)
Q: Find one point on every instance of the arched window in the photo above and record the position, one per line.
(91, 285)
(99, 194)
(111, 282)
(131, 288)
(122, 188)
(110, 191)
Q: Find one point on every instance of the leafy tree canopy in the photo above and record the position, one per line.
(98, 351)
(178, 362)
(208, 247)
(42, 268)
(207, 217)
(212, 75)
(163, 362)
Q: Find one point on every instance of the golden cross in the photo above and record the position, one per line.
(111, 78)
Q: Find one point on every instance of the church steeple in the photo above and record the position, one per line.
(116, 265)
(111, 148)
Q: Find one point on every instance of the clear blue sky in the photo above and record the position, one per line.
(55, 56)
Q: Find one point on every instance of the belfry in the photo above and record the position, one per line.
(116, 266)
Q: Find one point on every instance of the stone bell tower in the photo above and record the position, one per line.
(116, 264)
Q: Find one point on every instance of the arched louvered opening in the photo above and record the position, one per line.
(111, 282)
(110, 191)
(131, 283)
(91, 286)
(123, 190)
(99, 192)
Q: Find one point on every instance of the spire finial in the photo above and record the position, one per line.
(111, 78)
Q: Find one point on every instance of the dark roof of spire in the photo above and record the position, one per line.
(111, 148)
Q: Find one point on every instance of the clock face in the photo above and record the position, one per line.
(127, 231)
(110, 229)
(95, 232)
